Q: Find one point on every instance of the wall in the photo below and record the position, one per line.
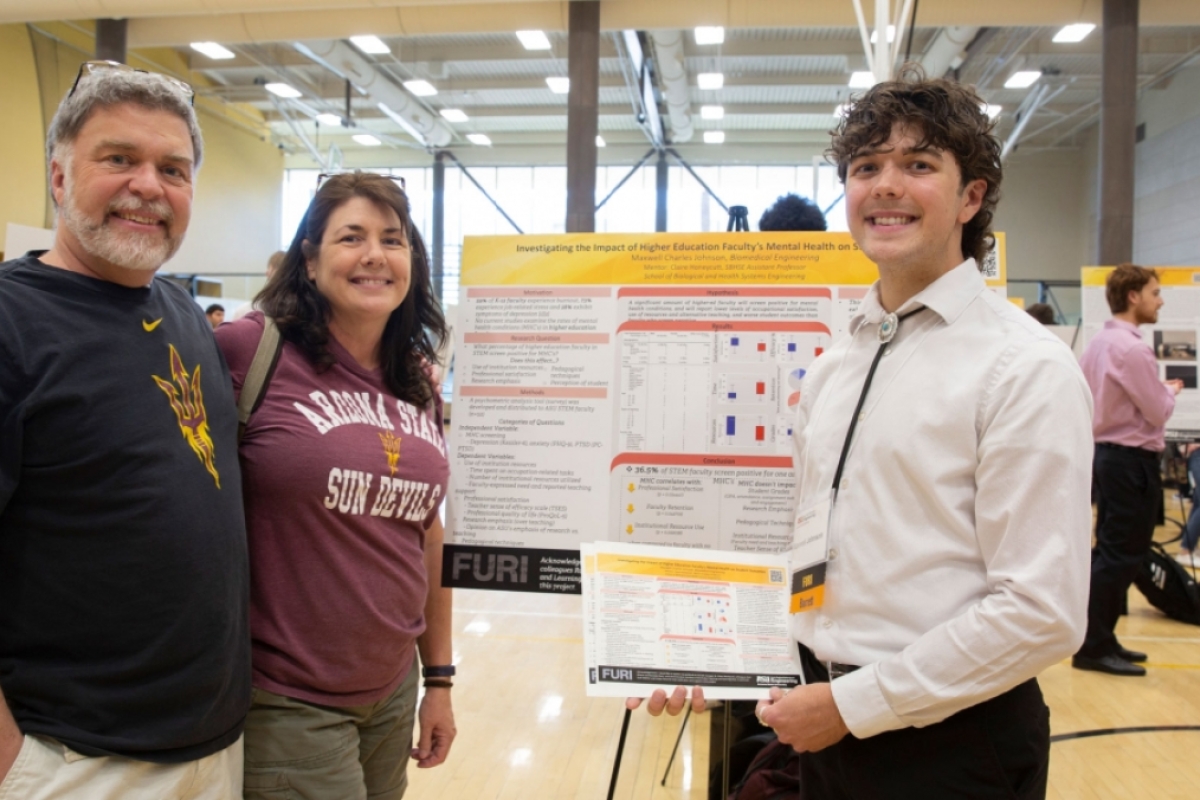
(1166, 218)
(238, 205)
(23, 196)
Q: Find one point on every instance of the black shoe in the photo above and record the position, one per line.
(1113, 665)
(1132, 656)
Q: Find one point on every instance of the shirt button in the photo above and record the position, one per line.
(845, 482)
(862, 415)
(827, 623)
(832, 553)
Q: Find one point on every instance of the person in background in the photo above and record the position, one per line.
(1191, 531)
(791, 212)
(124, 644)
(1132, 408)
(956, 558)
(215, 314)
(273, 264)
(1042, 312)
(345, 468)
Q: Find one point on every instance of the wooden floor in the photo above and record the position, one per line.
(526, 730)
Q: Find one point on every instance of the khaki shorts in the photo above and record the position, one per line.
(301, 751)
(48, 770)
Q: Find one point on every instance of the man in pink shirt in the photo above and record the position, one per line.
(1132, 405)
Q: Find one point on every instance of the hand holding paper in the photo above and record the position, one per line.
(659, 701)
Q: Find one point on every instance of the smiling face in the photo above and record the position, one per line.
(124, 192)
(363, 264)
(906, 207)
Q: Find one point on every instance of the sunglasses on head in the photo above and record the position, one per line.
(398, 179)
(89, 68)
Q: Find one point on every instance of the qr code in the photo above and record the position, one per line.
(776, 576)
(991, 263)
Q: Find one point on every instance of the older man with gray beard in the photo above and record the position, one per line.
(124, 646)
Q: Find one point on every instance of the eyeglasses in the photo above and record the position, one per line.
(399, 179)
(90, 68)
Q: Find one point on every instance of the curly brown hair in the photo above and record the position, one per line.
(414, 330)
(949, 117)
(1123, 280)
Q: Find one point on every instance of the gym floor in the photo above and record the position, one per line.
(527, 730)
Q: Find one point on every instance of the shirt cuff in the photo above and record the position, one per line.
(862, 705)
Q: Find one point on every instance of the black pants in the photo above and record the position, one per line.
(1128, 491)
(998, 749)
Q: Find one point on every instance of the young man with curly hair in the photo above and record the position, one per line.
(957, 558)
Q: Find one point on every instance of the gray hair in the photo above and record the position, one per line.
(111, 87)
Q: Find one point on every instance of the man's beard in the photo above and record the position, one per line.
(127, 250)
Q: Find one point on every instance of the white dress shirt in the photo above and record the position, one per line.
(960, 539)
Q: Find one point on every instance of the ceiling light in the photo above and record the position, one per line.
(991, 110)
(712, 112)
(420, 88)
(862, 80)
(710, 80)
(710, 35)
(454, 115)
(370, 44)
(714, 137)
(559, 85)
(366, 139)
(1074, 33)
(332, 120)
(480, 139)
(281, 90)
(534, 40)
(1023, 79)
(212, 50)
(891, 35)
(600, 141)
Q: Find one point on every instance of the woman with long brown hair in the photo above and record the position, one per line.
(344, 468)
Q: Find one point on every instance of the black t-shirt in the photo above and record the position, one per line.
(123, 567)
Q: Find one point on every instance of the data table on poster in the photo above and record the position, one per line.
(640, 389)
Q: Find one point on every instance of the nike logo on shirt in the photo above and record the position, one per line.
(149, 326)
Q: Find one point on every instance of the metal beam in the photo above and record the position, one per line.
(437, 226)
(583, 68)
(111, 36)
(1118, 119)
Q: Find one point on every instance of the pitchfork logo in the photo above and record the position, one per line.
(187, 400)
(391, 448)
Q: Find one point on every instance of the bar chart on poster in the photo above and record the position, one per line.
(634, 388)
(1173, 338)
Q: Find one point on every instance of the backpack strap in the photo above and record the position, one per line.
(266, 357)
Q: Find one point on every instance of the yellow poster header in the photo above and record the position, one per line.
(669, 568)
(1167, 276)
(823, 259)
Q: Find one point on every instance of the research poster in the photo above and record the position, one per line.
(1173, 338)
(659, 617)
(634, 388)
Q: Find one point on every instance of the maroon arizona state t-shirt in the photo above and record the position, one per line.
(340, 480)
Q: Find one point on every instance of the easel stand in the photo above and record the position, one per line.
(738, 221)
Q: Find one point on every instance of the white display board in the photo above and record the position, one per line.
(634, 388)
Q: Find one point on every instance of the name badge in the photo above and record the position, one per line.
(809, 555)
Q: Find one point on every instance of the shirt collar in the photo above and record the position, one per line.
(1120, 324)
(947, 297)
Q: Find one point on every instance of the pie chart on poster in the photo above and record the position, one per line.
(795, 377)
(793, 399)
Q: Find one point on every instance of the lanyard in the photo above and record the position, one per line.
(887, 331)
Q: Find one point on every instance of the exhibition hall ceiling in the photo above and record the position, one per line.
(466, 82)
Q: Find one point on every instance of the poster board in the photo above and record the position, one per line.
(637, 388)
(1173, 338)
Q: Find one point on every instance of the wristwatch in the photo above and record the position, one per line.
(446, 671)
